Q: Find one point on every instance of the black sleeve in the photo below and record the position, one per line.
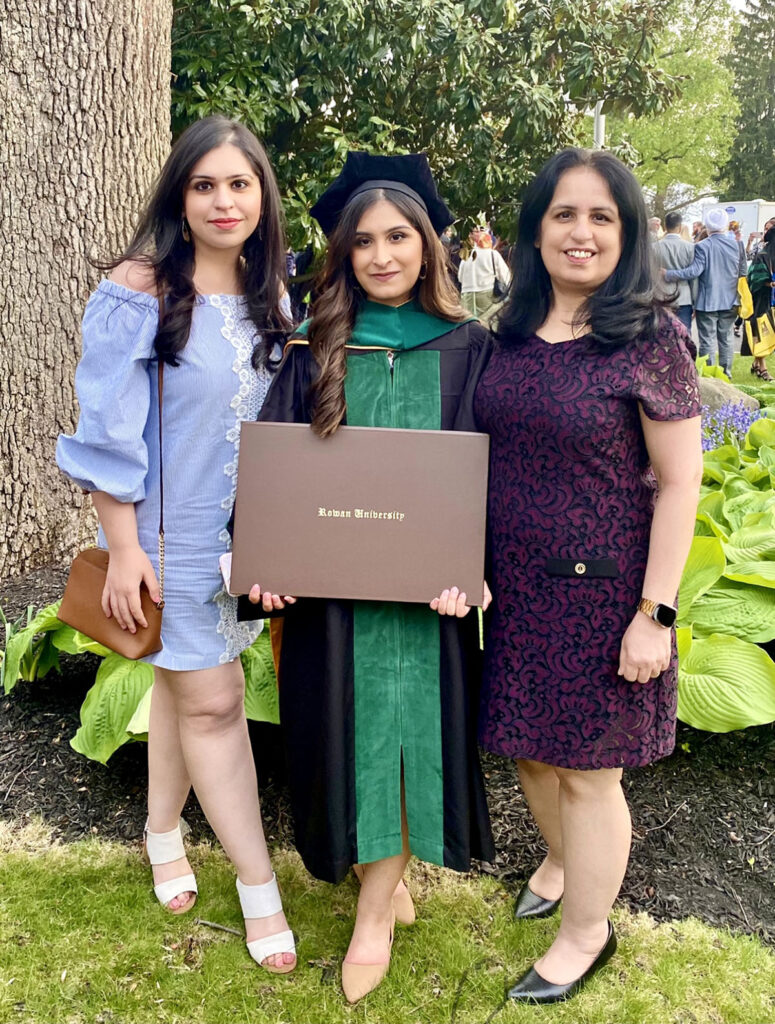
(479, 351)
(288, 398)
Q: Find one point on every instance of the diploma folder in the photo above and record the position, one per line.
(368, 513)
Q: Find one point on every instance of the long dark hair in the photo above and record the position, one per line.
(158, 241)
(624, 307)
(339, 297)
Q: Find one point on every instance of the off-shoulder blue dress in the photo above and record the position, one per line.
(116, 449)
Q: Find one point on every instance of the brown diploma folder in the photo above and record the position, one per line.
(369, 513)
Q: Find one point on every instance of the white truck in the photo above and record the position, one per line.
(751, 214)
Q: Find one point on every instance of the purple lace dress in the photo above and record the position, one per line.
(570, 509)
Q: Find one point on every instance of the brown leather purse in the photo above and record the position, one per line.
(81, 605)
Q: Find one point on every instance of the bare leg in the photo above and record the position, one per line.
(216, 751)
(358, 870)
(168, 781)
(596, 835)
(370, 942)
(542, 790)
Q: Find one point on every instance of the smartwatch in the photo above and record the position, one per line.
(663, 614)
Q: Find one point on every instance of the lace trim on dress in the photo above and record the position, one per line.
(252, 386)
(238, 635)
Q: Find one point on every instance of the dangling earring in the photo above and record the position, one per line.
(423, 271)
(185, 230)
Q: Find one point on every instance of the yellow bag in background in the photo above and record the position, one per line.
(764, 345)
(745, 309)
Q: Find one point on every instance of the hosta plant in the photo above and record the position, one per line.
(726, 603)
(117, 705)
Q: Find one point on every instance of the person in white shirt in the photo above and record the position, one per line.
(477, 276)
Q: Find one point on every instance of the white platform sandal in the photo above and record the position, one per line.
(263, 901)
(163, 848)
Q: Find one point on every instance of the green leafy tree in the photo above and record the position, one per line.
(677, 153)
(750, 171)
(488, 88)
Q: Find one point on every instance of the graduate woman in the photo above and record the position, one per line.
(378, 700)
(200, 287)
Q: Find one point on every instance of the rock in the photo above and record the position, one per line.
(715, 393)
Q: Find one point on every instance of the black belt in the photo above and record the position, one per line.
(601, 568)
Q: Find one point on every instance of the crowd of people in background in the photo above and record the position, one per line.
(702, 274)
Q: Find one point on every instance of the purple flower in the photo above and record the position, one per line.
(727, 425)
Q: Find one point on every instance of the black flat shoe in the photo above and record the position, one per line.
(527, 904)
(532, 988)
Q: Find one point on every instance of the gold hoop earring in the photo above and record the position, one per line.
(423, 272)
(185, 230)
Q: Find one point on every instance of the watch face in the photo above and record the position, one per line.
(665, 615)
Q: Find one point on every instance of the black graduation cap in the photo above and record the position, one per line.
(410, 174)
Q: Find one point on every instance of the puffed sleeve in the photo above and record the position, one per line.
(107, 452)
(666, 382)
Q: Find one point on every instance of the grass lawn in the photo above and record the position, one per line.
(82, 941)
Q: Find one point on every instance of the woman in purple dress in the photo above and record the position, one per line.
(592, 383)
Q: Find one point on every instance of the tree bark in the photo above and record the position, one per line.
(85, 128)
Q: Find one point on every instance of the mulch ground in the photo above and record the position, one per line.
(704, 818)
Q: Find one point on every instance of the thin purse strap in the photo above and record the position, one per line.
(161, 488)
(160, 375)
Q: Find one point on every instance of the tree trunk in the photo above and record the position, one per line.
(658, 206)
(85, 128)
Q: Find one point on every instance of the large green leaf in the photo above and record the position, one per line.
(760, 574)
(713, 471)
(705, 564)
(261, 699)
(110, 705)
(17, 646)
(738, 609)
(726, 455)
(725, 684)
(137, 726)
(761, 432)
(738, 507)
(767, 455)
(710, 511)
(751, 542)
(70, 641)
(757, 475)
(683, 639)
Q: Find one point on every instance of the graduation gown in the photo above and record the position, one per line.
(368, 689)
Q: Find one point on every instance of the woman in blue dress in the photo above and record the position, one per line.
(211, 246)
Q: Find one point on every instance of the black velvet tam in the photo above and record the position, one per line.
(409, 174)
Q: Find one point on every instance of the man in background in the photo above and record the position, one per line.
(655, 228)
(718, 264)
(673, 253)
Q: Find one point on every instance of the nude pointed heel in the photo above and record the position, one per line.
(403, 905)
(163, 848)
(264, 901)
(360, 979)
